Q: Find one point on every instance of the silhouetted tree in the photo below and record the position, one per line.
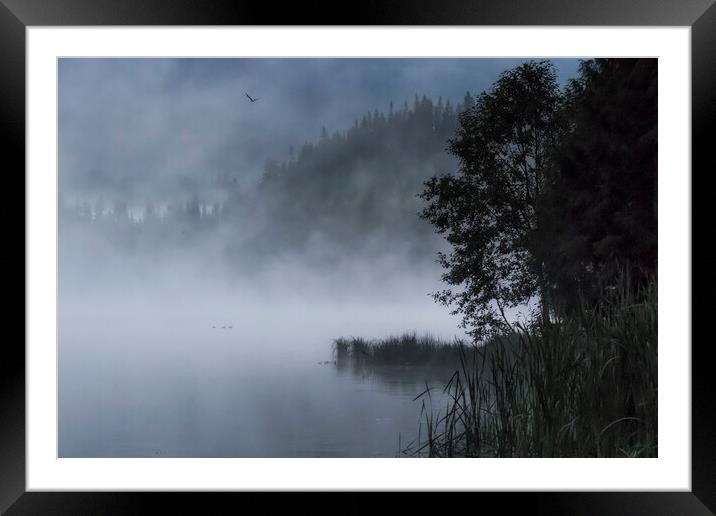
(487, 211)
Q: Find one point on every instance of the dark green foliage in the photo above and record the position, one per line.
(488, 210)
(574, 223)
(406, 350)
(601, 207)
(585, 387)
(555, 194)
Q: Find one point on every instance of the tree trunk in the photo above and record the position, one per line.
(544, 304)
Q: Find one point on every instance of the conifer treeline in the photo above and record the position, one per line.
(345, 188)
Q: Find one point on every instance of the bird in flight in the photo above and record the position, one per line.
(250, 98)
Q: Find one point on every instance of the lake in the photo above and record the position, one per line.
(151, 373)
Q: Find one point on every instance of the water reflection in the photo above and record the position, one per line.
(232, 400)
(398, 380)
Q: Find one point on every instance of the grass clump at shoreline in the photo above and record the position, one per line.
(585, 386)
(405, 350)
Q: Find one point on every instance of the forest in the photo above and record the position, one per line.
(555, 198)
(531, 195)
(351, 191)
(557, 187)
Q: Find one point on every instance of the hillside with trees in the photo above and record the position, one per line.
(349, 192)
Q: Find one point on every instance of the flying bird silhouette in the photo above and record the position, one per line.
(251, 99)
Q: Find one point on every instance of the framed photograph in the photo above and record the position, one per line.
(408, 250)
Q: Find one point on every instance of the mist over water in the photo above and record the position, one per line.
(150, 367)
(177, 352)
(205, 268)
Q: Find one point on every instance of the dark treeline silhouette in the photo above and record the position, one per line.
(554, 200)
(600, 209)
(555, 194)
(148, 226)
(349, 192)
(359, 188)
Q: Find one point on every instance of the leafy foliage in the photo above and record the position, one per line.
(488, 211)
(555, 193)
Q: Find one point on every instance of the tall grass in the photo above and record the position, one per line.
(583, 386)
(406, 350)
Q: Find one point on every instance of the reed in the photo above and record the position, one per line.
(405, 350)
(582, 386)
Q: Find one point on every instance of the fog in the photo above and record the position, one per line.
(178, 360)
(148, 127)
(208, 257)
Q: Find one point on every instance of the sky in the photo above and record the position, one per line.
(140, 129)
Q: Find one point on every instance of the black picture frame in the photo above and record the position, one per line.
(16, 15)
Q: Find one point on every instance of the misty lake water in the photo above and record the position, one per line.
(153, 374)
